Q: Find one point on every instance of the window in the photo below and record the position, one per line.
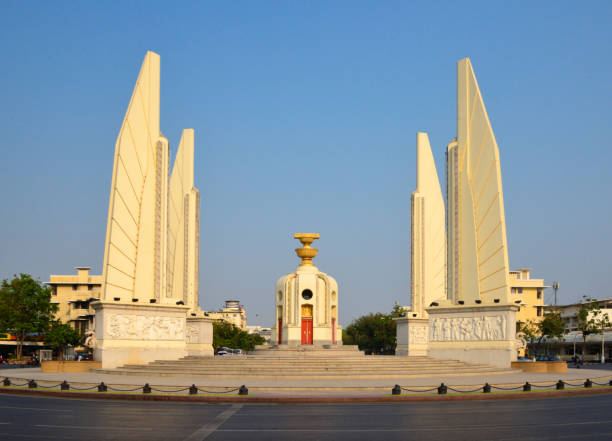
(513, 290)
(539, 293)
(520, 290)
(307, 294)
(539, 311)
(516, 290)
(75, 287)
(89, 287)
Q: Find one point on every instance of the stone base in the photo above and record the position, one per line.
(138, 334)
(540, 366)
(322, 335)
(412, 336)
(474, 334)
(200, 337)
(68, 366)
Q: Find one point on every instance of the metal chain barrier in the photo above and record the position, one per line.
(124, 390)
(243, 390)
(83, 388)
(573, 385)
(471, 391)
(507, 388)
(419, 390)
(169, 391)
(544, 385)
(50, 387)
(218, 391)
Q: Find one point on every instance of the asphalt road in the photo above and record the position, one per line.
(580, 418)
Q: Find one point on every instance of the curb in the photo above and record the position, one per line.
(306, 399)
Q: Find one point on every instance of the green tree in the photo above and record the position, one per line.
(61, 335)
(227, 335)
(373, 333)
(25, 307)
(592, 320)
(531, 332)
(551, 327)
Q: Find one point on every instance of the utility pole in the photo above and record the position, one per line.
(555, 287)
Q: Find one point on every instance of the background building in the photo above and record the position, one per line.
(266, 333)
(233, 313)
(530, 292)
(73, 295)
(569, 313)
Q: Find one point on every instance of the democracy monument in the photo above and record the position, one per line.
(149, 302)
(461, 307)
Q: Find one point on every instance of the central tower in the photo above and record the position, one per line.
(307, 302)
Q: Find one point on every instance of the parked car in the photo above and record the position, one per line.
(83, 356)
(524, 359)
(547, 358)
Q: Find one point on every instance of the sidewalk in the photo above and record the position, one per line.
(310, 387)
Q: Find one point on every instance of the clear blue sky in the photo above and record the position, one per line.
(305, 116)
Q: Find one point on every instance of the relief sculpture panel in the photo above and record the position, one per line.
(468, 328)
(131, 326)
(418, 334)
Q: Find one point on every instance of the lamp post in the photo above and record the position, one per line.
(576, 335)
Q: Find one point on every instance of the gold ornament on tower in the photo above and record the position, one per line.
(306, 253)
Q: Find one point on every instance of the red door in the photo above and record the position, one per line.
(280, 330)
(333, 331)
(307, 331)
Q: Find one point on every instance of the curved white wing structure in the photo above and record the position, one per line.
(428, 248)
(478, 250)
(183, 225)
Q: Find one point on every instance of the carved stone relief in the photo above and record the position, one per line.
(468, 328)
(417, 334)
(146, 327)
(193, 334)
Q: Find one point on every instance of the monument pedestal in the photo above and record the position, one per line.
(474, 334)
(200, 337)
(412, 336)
(139, 334)
(299, 351)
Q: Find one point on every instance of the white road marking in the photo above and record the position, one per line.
(207, 429)
(35, 408)
(57, 426)
(417, 429)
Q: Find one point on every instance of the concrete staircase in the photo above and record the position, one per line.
(238, 367)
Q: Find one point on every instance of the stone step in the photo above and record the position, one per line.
(311, 365)
(328, 375)
(155, 368)
(305, 367)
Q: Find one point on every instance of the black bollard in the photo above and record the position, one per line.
(102, 387)
(486, 389)
(527, 387)
(560, 385)
(32, 384)
(397, 390)
(243, 390)
(588, 383)
(64, 386)
(442, 389)
(6, 382)
(193, 389)
(146, 389)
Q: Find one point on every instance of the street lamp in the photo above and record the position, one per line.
(576, 335)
